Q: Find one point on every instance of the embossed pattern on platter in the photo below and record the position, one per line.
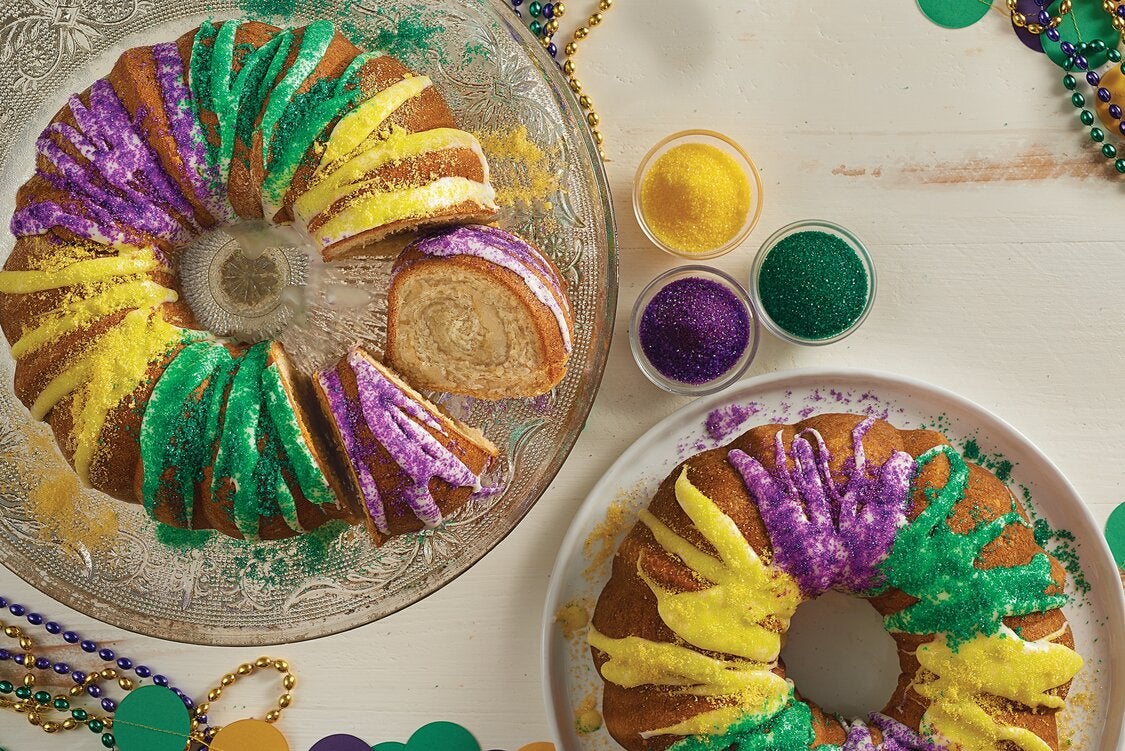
(227, 592)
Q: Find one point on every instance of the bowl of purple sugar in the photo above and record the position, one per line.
(694, 330)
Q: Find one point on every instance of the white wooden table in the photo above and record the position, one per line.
(1000, 247)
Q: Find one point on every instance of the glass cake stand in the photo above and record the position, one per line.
(552, 190)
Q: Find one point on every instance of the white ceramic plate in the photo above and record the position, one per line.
(1095, 715)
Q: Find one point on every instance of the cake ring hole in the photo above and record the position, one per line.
(247, 280)
(840, 656)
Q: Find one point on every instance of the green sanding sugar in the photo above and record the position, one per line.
(268, 8)
(407, 37)
(813, 285)
(183, 539)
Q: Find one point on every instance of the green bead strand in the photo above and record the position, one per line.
(1109, 151)
(80, 714)
(107, 740)
(1119, 165)
(1070, 82)
(96, 726)
(1078, 100)
(42, 697)
(534, 9)
(1087, 117)
(61, 704)
(1097, 135)
(536, 27)
(1114, 56)
(24, 692)
(6, 687)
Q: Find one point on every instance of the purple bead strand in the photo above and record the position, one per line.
(88, 646)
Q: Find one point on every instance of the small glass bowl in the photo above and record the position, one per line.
(811, 225)
(718, 140)
(680, 387)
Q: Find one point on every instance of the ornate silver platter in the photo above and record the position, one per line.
(216, 590)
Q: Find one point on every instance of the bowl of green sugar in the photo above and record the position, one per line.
(813, 282)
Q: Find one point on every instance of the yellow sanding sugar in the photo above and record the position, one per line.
(695, 197)
(587, 718)
(572, 618)
(56, 501)
(600, 544)
(522, 173)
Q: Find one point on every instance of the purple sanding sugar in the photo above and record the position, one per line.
(827, 531)
(724, 421)
(694, 330)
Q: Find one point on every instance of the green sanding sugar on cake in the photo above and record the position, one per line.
(788, 729)
(996, 464)
(183, 539)
(813, 285)
(936, 565)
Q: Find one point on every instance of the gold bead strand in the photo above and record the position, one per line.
(571, 49)
(1110, 7)
(1021, 21)
(246, 669)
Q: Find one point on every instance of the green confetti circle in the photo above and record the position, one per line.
(1115, 534)
(442, 736)
(955, 14)
(1085, 23)
(151, 718)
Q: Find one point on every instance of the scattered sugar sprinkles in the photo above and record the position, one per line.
(600, 544)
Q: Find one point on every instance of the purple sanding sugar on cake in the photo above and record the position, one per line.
(694, 330)
(899, 737)
(724, 421)
(824, 533)
(344, 416)
(396, 422)
(122, 190)
(859, 738)
(184, 124)
(507, 251)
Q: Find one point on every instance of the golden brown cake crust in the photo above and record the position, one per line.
(116, 467)
(627, 607)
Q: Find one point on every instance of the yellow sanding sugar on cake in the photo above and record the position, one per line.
(695, 198)
(587, 718)
(522, 173)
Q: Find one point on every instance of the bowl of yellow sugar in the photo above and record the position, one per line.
(697, 194)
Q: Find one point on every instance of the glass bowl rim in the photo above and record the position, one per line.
(746, 359)
(792, 228)
(750, 169)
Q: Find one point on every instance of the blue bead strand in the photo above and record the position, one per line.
(88, 646)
